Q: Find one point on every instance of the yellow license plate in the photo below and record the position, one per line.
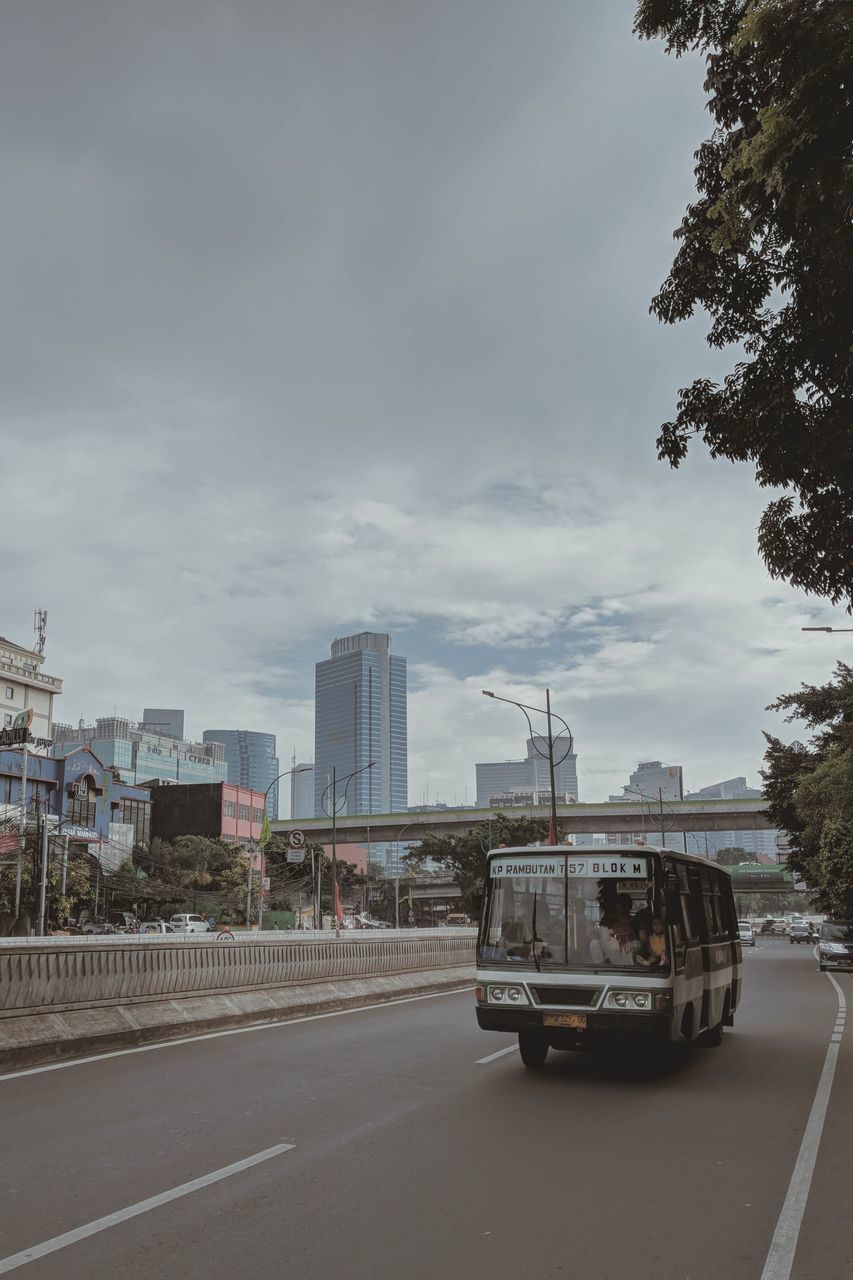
(577, 1021)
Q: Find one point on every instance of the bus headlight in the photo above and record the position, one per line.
(507, 995)
(629, 1000)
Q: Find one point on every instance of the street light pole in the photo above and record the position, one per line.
(397, 873)
(303, 768)
(547, 712)
(333, 785)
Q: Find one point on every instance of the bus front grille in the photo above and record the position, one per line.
(583, 996)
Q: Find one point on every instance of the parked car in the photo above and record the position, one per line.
(186, 922)
(155, 926)
(123, 921)
(800, 931)
(746, 933)
(835, 948)
(97, 926)
(776, 928)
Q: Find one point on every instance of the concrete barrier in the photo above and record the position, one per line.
(63, 997)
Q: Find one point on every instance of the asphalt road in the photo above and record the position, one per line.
(390, 1150)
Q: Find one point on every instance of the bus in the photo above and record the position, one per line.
(616, 947)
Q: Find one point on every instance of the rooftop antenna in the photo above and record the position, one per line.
(40, 628)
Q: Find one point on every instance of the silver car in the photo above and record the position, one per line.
(746, 933)
(185, 922)
(835, 948)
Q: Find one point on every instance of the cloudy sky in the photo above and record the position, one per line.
(322, 316)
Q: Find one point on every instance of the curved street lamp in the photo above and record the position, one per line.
(333, 814)
(302, 768)
(544, 711)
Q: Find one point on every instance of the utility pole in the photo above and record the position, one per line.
(22, 832)
(662, 832)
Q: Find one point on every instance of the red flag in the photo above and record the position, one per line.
(339, 911)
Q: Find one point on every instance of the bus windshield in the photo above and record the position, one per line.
(573, 912)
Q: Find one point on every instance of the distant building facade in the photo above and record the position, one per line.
(141, 755)
(757, 842)
(302, 791)
(360, 716)
(25, 688)
(217, 810)
(652, 780)
(166, 720)
(251, 759)
(529, 777)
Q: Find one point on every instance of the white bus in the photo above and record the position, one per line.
(613, 947)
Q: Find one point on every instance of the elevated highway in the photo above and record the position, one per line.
(610, 818)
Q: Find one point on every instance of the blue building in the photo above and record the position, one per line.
(251, 760)
(82, 797)
(142, 755)
(360, 716)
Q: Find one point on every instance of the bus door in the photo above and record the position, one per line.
(688, 982)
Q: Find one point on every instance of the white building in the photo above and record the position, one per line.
(302, 790)
(654, 781)
(24, 686)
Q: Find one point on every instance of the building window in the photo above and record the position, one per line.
(244, 813)
(257, 815)
(137, 813)
(229, 809)
(10, 692)
(80, 811)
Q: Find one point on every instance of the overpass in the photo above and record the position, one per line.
(616, 818)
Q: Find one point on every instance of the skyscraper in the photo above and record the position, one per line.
(302, 790)
(359, 717)
(167, 721)
(251, 759)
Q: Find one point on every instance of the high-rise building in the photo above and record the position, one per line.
(528, 777)
(167, 721)
(359, 718)
(251, 759)
(302, 790)
(142, 755)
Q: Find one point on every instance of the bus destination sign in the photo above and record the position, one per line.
(598, 867)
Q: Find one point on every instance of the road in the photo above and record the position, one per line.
(391, 1150)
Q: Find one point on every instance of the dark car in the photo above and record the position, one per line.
(800, 931)
(835, 947)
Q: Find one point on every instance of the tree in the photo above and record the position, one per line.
(732, 857)
(767, 251)
(810, 789)
(465, 856)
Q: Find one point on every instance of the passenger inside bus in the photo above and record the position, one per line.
(652, 953)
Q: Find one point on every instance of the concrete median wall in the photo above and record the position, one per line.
(63, 997)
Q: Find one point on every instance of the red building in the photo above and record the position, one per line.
(219, 810)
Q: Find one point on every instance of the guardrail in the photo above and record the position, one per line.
(50, 975)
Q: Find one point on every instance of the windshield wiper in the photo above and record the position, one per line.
(536, 959)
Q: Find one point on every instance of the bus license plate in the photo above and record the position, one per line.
(577, 1021)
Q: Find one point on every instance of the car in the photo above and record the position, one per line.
(835, 945)
(155, 926)
(800, 931)
(746, 933)
(97, 926)
(186, 922)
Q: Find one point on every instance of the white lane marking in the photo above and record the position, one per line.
(500, 1053)
(16, 1260)
(783, 1246)
(279, 1024)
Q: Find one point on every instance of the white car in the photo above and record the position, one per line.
(746, 933)
(155, 926)
(186, 923)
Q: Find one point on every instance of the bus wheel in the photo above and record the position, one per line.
(533, 1047)
(712, 1038)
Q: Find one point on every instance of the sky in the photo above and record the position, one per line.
(322, 317)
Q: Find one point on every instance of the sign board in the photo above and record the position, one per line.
(9, 841)
(75, 831)
(296, 855)
(265, 883)
(296, 839)
(597, 867)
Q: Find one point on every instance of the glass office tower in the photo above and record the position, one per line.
(359, 717)
(251, 759)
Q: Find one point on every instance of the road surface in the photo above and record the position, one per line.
(385, 1147)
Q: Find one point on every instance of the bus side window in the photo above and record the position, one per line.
(697, 903)
(726, 905)
(691, 931)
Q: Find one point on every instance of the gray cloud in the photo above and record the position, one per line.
(322, 315)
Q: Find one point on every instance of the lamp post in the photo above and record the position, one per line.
(303, 768)
(397, 873)
(549, 714)
(333, 814)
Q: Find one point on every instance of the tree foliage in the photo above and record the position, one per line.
(767, 251)
(810, 788)
(732, 857)
(464, 857)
